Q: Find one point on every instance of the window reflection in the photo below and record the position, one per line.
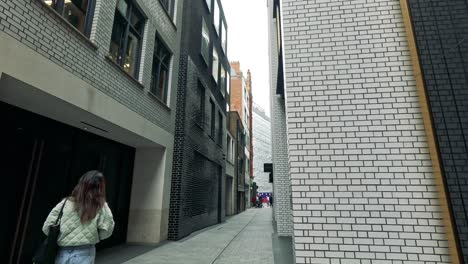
(205, 42)
(74, 11)
(126, 38)
(160, 71)
(131, 55)
(215, 65)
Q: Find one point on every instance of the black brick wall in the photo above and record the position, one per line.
(441, 29)
(198, 173)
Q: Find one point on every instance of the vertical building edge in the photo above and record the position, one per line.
(431, 138)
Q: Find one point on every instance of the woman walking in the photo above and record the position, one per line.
(86, 220)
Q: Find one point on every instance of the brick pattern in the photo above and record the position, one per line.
(281, 180)
(362, 182)
(39, 28)
(198, 171)
(440, 28)
(261, 149)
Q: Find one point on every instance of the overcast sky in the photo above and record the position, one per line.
(248, 43)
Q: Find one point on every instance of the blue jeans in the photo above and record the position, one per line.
(76, 255)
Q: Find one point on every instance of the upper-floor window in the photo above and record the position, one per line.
(208, 3)
(77, 12)
(223, 81)
(127, 34)
(228, 83)
(220, 128)
(205, 42)
(215, 65)
(229, 148)
(212, 119)
(278, 28)
(200, 115)
(168, 5)
(224, 37)
(216, 16)
(160, 72)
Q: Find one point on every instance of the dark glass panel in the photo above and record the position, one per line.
(118, 32)
(131, 54)
(137, 20)
(75, 13)
(162, 84)
(122, 7)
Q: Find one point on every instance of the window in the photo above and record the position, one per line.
(212, 119)
(223, 81)
(77, 12)
(229, 148)
(160, 72)
(228, 83)
(224, 38)
(205, 42)
(215, 65)
(200, 115)
(216, 16)
(220, 128)
(278, 29)
(208, 4)
(127, 34)
(168, 5)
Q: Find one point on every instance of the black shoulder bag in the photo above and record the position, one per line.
(47, 252)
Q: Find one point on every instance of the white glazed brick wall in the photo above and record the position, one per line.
(362, 182)
(281, 181)
(261, 139)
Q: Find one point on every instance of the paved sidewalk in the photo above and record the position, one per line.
(244, 238)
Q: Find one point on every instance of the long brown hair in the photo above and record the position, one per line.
(89, 195)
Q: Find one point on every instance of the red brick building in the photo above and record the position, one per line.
(241, 102)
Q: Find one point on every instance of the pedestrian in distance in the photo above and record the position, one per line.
(259, 201)
(85, 220)
(265, 201)
(271, 199)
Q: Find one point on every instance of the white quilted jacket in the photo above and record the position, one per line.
(73, 232)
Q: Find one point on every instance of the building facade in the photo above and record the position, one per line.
(241, 102)
(231, 166)
(87, 85)
(282, 215)
(198, 173)
(241, 186)
(262, 148)
(375, 98)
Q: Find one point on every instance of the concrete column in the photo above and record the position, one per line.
(149, 207)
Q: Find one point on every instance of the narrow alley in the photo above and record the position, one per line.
(243, 238)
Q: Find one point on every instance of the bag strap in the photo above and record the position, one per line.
(61, 212)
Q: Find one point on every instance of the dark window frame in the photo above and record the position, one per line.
(200, 115)
(213, 119)
(205, 53)
(59, 6)
(129, 28)
(160, 47)
(223, 80)
(209, 5)
(218, 62)
(220, 129)
(169, 7)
